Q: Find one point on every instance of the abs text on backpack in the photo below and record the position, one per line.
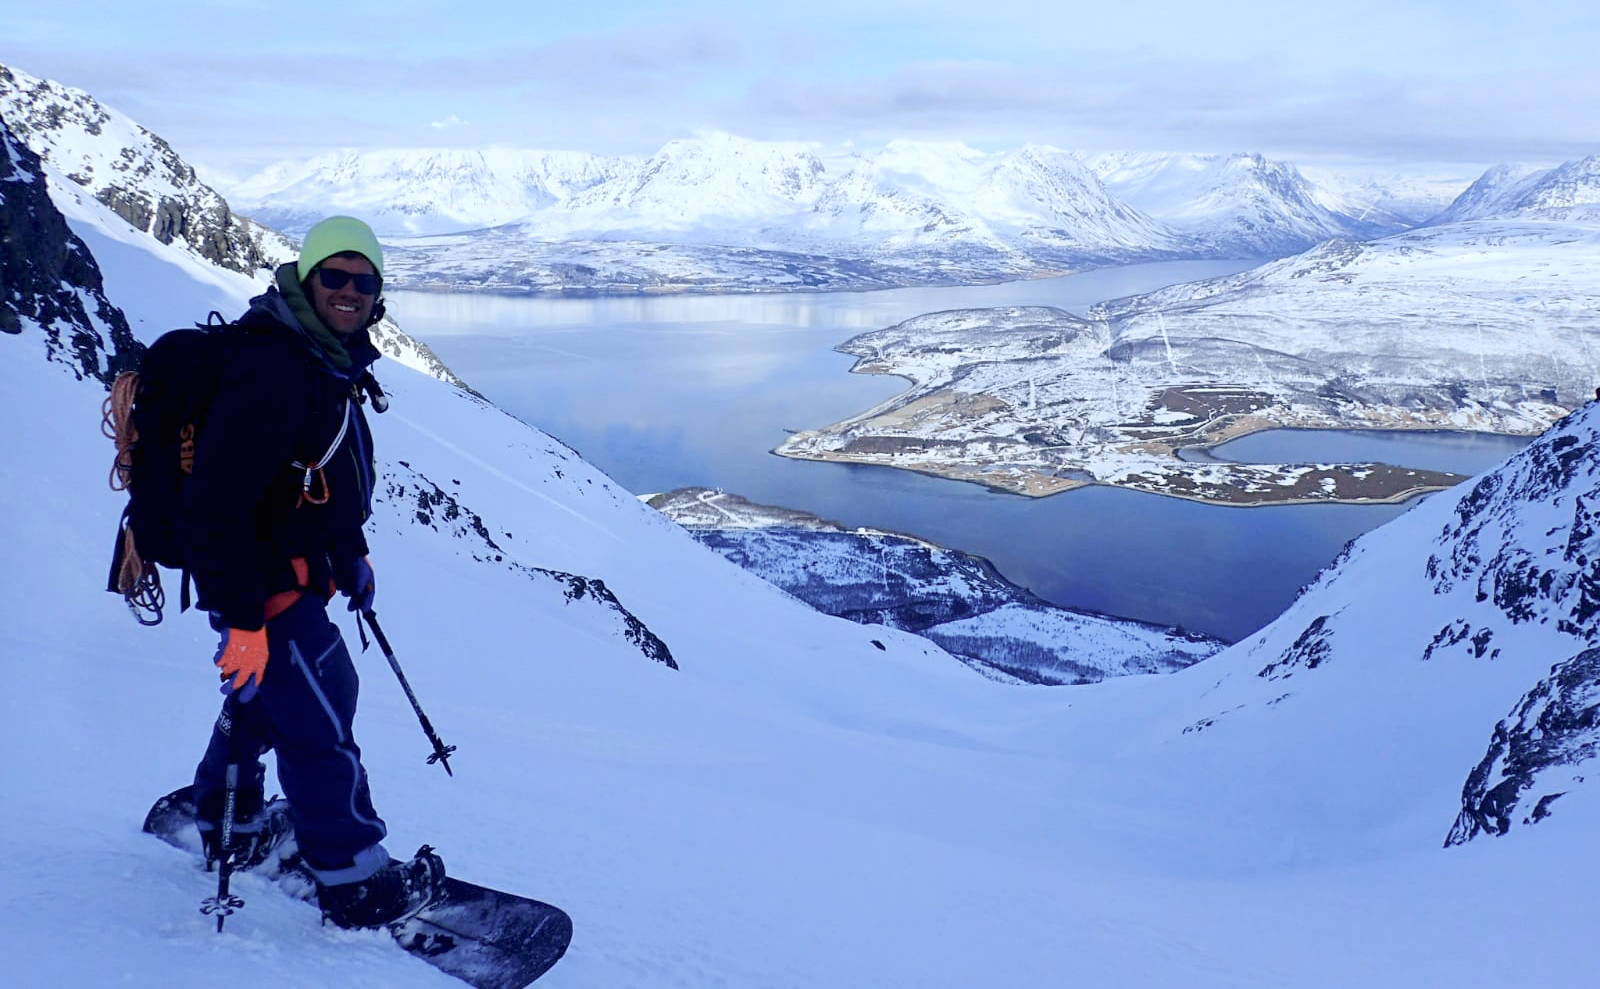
(156, 415)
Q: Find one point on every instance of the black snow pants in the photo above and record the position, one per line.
(303, 712)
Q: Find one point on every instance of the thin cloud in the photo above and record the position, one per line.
(1403, 78)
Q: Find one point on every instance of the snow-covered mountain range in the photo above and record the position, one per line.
(1569, 191)
(908, 195)
(949, 209)
(719, 212)
(907, 214)
(722, 213)
(429, 192)
(1387, 786)
(1241, 204)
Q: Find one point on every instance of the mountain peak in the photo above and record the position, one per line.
(1242, 204)
(133, 172)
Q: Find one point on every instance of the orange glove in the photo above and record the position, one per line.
(242, 656)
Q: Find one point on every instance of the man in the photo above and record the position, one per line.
(273, 516)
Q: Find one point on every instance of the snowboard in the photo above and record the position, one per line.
(487, 938)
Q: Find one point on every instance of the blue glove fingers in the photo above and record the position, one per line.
(363, 586)
(247, 693)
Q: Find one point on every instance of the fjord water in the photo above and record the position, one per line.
(671, 391)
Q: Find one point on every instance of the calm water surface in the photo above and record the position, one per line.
(666, 392)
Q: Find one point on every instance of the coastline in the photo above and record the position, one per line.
(1045, 486)
(1148, 457)
(1037, 420)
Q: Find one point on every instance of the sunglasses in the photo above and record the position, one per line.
(333, 279)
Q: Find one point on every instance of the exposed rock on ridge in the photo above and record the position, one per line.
(144, 180)
(49, 277)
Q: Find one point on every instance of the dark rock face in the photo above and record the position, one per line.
(152, 188)
(1310, 650)
(1525, 544)
(48, 276)
(1531, 756)
(1539, 581)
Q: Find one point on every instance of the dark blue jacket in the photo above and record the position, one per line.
(245, 514)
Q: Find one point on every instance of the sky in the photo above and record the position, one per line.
(232, 86)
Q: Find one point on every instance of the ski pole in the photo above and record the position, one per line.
(225, 903)
(441, 751)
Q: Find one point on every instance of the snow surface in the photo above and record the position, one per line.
(794, 806)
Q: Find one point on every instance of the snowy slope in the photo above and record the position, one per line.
(1033, 202)
(795, 806)
(1242, 205)
(1413, 193)
(1508, 191)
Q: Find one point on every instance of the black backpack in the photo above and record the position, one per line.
(156, 415)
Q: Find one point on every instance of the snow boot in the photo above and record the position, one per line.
(391, 894)
(257, 831)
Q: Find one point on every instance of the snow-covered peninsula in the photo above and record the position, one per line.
(1479, 325)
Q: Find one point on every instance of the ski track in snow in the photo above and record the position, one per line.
(493, 471)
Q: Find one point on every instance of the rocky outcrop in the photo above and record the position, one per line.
(1554, 580)
(48, 276)
(1534, 754)
(1529, 575)
(134, 173)
(1309, 651)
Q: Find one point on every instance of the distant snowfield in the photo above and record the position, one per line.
(795, 806)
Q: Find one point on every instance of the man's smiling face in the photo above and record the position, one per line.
(345, 309)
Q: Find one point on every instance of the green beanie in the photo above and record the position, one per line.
(337, 234)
